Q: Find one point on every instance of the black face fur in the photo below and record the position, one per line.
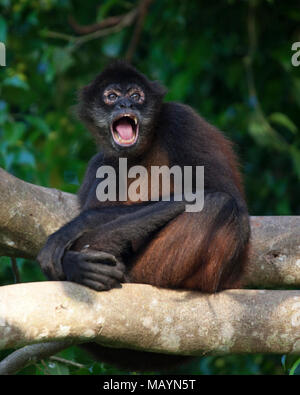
(120, 108)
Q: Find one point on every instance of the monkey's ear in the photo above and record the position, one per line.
(87, 93)
(158, 89)
(85, 96)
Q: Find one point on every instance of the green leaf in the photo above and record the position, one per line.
(14, 132)
(258, 131)
(105, 8)
(62, 60)
(26, 158)
(283, 362)
(112, 45)
(295, 154)
(283, 120)
(16, 82)
(38, 123)
(55, 368)
(294, 367)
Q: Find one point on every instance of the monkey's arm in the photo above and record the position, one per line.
(117, 236)
(92, 215)
(96, 259)
(116, 232)
(50, 255)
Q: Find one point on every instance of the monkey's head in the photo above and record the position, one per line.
(120, 108)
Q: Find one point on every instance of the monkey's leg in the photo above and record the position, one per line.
(117, 236)
(87, 262)
(204, 251)
(60, 241)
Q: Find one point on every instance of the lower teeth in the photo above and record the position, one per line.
(119, 138)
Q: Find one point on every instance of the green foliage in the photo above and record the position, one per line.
(200, 51)
(291, 364)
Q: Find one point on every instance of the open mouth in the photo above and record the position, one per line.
(125, 130)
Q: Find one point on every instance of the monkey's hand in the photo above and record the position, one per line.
(50, 257)
(98, 270)
(51, 254)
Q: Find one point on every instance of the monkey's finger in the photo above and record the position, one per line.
(106, 282)
(99, 256)
(94, 285)
(103, 270)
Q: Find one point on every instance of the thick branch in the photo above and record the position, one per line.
(189, 323)
(29, 213)
(275, 252)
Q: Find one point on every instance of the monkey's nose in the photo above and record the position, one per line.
(124, 104)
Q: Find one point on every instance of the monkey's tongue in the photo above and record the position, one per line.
(125, 130)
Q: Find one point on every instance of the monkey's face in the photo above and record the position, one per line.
(124, 107)
(121, 111)
(123, 117)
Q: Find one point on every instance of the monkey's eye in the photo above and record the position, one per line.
(112, 97)
(135, 96)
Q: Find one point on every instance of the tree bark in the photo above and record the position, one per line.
(28, 214)
(29, 355)
(144, 317)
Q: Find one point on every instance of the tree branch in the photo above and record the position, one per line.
(28, 355)
(28, 214)
(86, 29)
(187, 323)
(75, 41)
(143, 9)
(15, 270)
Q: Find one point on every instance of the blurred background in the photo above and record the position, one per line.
(230, 60)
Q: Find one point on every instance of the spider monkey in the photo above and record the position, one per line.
(153, 242)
